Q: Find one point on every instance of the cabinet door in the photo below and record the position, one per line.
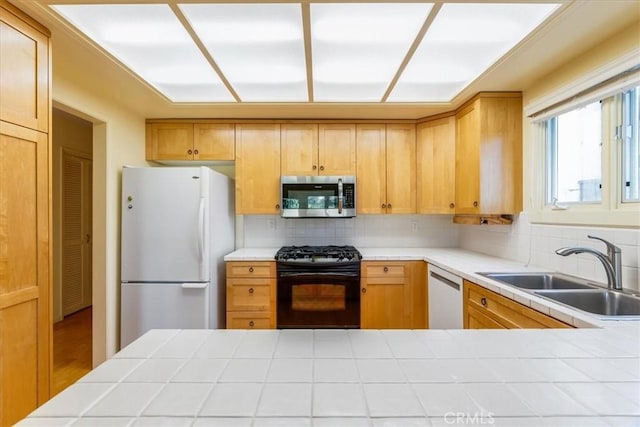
(337, 149)
(371, 169)
(436, 166)
(299, 149)
(25, 321)
(169, 141)
(467, 160)
(24, 73)
(214, 141)
(257, 169)
(401, 168)
(386, 303)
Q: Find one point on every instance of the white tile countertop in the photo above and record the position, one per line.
(586, 377)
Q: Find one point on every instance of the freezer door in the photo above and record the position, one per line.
(164, 227)
(148, 306)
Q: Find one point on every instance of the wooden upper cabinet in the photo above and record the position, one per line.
(401, 168)
(371, 191)
(24, 72)
(299, 149)
(257, 169)
(189, 141)
(337, 149)
(436, 143)
(386, 168)
(489, 155)
(213, 141)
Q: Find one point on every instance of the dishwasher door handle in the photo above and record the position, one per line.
(446, 281)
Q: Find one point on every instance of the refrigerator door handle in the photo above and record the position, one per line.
(194, 285)
(201, 235)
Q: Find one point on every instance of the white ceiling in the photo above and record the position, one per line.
(318, 66)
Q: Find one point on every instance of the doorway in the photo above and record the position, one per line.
(73, 243)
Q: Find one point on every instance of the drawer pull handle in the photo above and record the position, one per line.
(250, 269)
(250, 290)
(483, 301)
(251, 323)
(386, 269)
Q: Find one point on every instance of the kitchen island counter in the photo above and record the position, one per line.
(361, 377)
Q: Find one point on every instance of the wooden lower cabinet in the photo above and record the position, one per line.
(393, 295)
(485, 309)
(251, 295)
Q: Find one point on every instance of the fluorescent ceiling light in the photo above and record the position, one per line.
(150, 40)
(357, 48)
(461, 43)
(258, 47)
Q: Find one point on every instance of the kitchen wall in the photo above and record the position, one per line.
(364, 231)
(535, 244)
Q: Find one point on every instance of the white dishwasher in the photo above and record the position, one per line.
(445, 299)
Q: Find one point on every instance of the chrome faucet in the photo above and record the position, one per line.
(612, 261)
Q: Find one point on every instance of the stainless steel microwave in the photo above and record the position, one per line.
(318, 196)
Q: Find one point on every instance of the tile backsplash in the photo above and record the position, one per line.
(411, 231)
(532, 244)
(535, 244)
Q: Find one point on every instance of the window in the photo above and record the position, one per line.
(574, 156)
(630, 149)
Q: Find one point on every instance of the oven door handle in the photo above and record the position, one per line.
(322, 274)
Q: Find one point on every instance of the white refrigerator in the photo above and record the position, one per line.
(177, 225)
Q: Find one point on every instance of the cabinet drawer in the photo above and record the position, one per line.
(384, 270)
(243, 320)
(251, 269)
(248, 294)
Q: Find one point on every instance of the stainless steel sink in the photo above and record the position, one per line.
(541, 281)
(602, 302)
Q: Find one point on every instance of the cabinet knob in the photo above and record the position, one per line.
(384, 206)
(475, 204)
(278, 206)
(314, 167)
(250, 269)
(189, 152)
(321, 168)
(483, 301)
(251, 323)
(389, 205)
(386, 269)
(250, 290)
(452, 205)
(196, 151)
(364, 290)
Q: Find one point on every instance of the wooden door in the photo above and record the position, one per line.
(214, 141)
(24, 71)
(299, 149)
(25, 318)
(169, 141)
(436, 166)
(401, 168)
(371, 169)
(76, 233)
(257, 169)
(337, 149)
(386, 303)
(468, 160)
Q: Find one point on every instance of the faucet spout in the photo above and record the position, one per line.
(611, 261)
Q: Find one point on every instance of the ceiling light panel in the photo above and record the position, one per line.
(258, 47)
(461, 43)
(357, 48)
(151, 41)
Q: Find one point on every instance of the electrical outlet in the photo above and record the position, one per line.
(271, 224)
(414, 226)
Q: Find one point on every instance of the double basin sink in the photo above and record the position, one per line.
(574, 292)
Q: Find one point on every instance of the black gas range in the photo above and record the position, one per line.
(318, 287)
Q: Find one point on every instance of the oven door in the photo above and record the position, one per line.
(318, 300)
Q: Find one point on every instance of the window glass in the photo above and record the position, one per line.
(630, 151)
(574, 156)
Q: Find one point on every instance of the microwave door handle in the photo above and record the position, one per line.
(340, 195)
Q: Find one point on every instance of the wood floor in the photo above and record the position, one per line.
(71, 349)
